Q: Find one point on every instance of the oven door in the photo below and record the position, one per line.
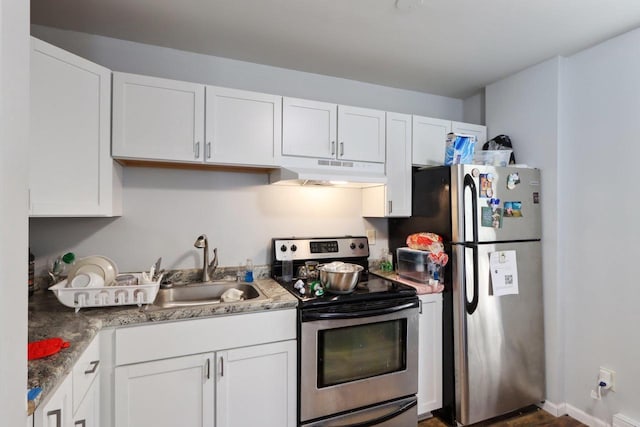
(357, 354)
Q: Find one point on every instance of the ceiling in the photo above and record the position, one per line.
(444, 47)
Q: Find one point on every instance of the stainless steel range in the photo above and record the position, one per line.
(357, 352)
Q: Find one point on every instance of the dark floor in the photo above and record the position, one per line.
(536, 418)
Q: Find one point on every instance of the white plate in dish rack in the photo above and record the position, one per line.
(106, 296)
(101, 265)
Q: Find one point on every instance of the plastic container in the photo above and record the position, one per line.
(492, 157)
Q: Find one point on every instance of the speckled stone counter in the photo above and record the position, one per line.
(48, 318)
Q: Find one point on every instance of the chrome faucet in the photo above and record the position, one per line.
(208, 268)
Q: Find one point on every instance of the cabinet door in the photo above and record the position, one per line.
(71, 172)
(242, 128)
(429, 139)
(470, 129)
(88, 412)
(262, 377)
(165, 393)
(308, 128)
(361, 134)
(157, 119)
(394, 198)
(56, 411)
(430, 354)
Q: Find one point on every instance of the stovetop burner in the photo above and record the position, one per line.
(349, 249)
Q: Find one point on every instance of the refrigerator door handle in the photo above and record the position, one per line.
(473, 304)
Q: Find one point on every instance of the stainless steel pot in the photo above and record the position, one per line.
(342, 280)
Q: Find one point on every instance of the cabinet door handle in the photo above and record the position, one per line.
(342, 149)
(207, 368)
(208, 150)
(82, 423)
(420, 306)
(221, 366)
(94, 365)
(197, 150)
(390, 206)
(333, 148)
(58, 414)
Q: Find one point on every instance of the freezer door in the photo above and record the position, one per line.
(499, 340)
(515, 213)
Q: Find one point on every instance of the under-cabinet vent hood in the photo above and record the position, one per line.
(329, 173)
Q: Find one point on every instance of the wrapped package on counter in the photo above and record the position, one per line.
(459, 149)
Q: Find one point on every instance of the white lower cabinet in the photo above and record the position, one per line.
(76, 402)
(171, 392)
(262, 376)
(56, 410)
(430, 354)
(224, 371)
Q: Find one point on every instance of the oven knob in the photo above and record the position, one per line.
(294, 248)
(361, 245)
(352, 245)
(283, 248)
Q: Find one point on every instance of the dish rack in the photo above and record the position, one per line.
(106, 296)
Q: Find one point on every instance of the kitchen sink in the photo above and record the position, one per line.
(202, 293)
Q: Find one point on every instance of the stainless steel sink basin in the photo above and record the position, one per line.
(202, 293)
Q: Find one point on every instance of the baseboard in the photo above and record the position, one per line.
(557, 410)
(560, 409)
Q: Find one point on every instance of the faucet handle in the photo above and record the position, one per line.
(214, 262)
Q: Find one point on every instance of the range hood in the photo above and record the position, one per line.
(329, 173)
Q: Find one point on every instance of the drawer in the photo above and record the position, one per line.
(85, 371)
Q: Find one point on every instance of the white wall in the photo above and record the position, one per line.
(164, 210)
(600, 227)
(525, 107)
(473, 109)
(14, 116)
(121, 55)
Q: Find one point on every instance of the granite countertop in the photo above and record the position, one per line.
(48, 318)
(421, 288)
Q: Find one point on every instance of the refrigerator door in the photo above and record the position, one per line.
(499, 340)
(515, 212)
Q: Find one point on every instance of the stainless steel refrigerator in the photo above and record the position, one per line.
(493, 338)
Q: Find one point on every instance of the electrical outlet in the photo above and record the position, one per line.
(609, 377)
(371, 236)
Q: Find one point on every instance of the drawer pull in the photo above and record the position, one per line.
(58, 414)
(94, 365)
(81, 423)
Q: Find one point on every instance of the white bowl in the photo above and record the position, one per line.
(87, 279)
(100, 265)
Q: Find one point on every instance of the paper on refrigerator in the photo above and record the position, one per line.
(504, 273)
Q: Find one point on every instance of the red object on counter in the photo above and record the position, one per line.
(46, 347)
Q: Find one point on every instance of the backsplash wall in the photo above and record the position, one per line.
(164, 210)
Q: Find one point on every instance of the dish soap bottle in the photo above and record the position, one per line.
(248, 271)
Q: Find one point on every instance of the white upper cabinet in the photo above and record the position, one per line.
(361, 134)
(479, 131)
(328, 131)
(430, 135)
(429, 138)
(71, 172)
(394, 198)
(309, 128)
(157, 119)
(242, 128)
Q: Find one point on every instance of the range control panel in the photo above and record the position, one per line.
(320, 248)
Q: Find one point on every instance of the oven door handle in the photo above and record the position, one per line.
(386, 417)
(315, 315)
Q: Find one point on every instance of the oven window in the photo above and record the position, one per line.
(363, 351)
